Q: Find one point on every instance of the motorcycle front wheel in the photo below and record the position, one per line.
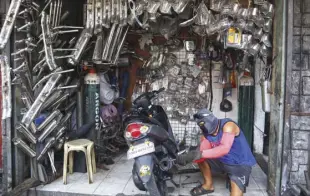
(157, 187)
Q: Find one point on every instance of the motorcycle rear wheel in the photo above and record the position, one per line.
(157, 187)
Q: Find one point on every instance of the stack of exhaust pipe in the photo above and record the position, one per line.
(106, 20)
(44, 82)
(43, 64)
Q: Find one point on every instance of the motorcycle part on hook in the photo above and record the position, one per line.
(48, 119)
(98, 16)
(24, 147)
(48, 145)
(97, 55)
(80, 47)
(6, 87)
(47, 40)
(38, 103)
(9, 22)
(23, 130)
(48, 130)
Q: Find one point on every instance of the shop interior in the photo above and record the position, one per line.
(77, 67)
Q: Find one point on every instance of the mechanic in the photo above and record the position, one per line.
(224, 149)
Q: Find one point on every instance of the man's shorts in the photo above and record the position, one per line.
(240, 174)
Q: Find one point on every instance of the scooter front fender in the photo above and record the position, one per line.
(144, 167)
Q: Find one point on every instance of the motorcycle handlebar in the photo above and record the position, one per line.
(149, 95)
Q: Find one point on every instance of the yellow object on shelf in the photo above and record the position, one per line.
(234, 36)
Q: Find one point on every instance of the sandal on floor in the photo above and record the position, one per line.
(199, 190)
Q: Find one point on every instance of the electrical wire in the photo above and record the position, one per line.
(210, 71)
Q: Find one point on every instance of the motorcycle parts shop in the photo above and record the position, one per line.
(70, 71)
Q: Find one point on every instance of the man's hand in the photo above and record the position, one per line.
(189, 157)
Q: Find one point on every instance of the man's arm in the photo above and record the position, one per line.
(230, 130)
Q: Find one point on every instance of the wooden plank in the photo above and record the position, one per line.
(23, 187)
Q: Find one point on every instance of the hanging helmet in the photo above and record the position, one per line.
(206, 121)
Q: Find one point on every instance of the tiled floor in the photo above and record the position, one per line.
(117, 181)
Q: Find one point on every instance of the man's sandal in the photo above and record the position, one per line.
(199, 190)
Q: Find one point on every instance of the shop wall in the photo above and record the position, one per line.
(299, 90)
(259, 114)
(2, 15)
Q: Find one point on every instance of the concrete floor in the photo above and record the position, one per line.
(118, 181)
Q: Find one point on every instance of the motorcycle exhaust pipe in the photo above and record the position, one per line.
(37, 105)
(56, 104)
(59, 144)
(120, 45)
(97, 55)
(9, 22)
(33, 128)
(80, 47)
(48, 119)
(51, 99)
(115, 40)
(24, 147)
(26, 100)
(71, 105)
(47, 146)
(165, 164)
(108, 43)
(57, 71)
(66, 118)
(47, 37)
(6, 85)
(48, 130)
(60, 133)
(28, 135)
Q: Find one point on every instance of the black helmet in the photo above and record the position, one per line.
(206, 121)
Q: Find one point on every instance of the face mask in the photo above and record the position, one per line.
(201, 124)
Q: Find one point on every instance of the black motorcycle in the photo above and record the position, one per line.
(151, 144)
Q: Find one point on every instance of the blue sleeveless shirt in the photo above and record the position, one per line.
(240, 152)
